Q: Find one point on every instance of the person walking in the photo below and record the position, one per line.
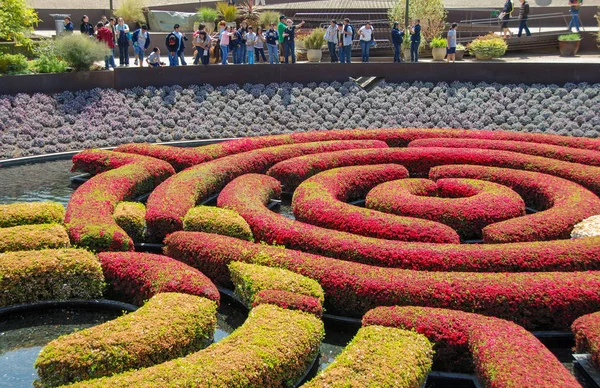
(280, 28)
(68, 25)
(272, 37)
(123, 41)
(574, 10)
(259, 45)
(505, 16)
(250, 42)
(141, 41)
(105, 35)
(523, 16)
(289, 44)
(366, 39)
(415, 41)
(86, 27)
(346, 42)
(451, 45)
(331, 39)
(397, 39)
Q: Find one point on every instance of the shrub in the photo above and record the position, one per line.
(431, 12)
(497, 346)
(132, 11)
(228, 12)
(13, 64)
(28, 213)
(373, 359)
(211, 219)
(208, 15)
(534, 300)
(131, 217)
(569, 37)
(266, 18)
(273, 348)
(52, 274)
(48, 60)
(79, 51)
(168, 326)
(17, 21)
(488, 47)
(460, 47)
(587, 336)
(33, 237)
(315, 40)
(135, 277)
(438, 43)
(179, 158)
(289, 300)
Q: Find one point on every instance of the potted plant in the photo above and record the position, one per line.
(488, 47)
(406, 49)
(438, 48)
(314, 44)
(568, 44)
(229, 13)
(207, 16)
(460, 51)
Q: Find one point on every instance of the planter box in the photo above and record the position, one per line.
(56, 83)
(569, 48)
(438, 53)
(314, 55)
(460, 54)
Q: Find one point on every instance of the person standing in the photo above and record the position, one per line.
(331, 38)
(243, 42)
(451, 45)
(225, 37)
(105, 35)
(181, 45)
(280, 28)
(68, 25)
(172, 43)
(523, 16)
(250, 42)
(506, 12)
(289, 44)
(397, 39)
(235, 46)
(346, 42)
(272, 37)
(204, 47)
(575, 5)
(415, 41)
(366, 39)
(86, 27)
(259, 45)
(123, 41)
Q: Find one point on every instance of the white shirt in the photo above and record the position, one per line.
(250, 39)
(154, 57)
(367, 33)
(258, 43)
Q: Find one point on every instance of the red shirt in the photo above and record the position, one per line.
(105, 35)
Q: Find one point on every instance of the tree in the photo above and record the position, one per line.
(431, 13)
(17, 21)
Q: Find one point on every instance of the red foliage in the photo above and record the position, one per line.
(180, 158)
(587, 336)
(289, 300)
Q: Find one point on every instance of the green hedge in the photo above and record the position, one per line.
(168, 326)
(250, 279)
(52, 274)
(33, 237)
(272, 349)
(131, 217)
(31, 213)
(215, 220)
(379, 357)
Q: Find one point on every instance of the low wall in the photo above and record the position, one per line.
(527, 73)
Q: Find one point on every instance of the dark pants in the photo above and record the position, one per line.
(397, 52)
(414, 51)
(289, 48)
(523, 26)
(259, 52)
(332, 52)
(197, 55)
(235, 55)
(123, 55)
(345, 54)
(243, 54)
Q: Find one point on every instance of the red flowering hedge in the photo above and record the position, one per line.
(168, 326)
(98, 161)
(30, 213)
(465, 205)
(89, 216)
(534, 300)
(135, 277)
(563, 203)
(248, 195)
(273, 348)
(322, 201)
(418, 161)
(587, 336)
(33, 237)
(51, 274)
(504, 354)
(180, 158)
(289, 300)
(169, 203)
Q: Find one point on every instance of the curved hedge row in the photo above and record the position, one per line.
(170, 202)
(587, 336)
(248, 195)
(250, 279)
(180, 158)
(33, 237)
(465, 205)
(564, 203)
(321, 201)
(98, 161)
(212, 219)
(89, 216)
(168, 326)
(135, 277)
(534, 300)
(504, 354)
(290, 300)
(52, 274)
(131, 217)
(30, 213)
(379, 356)
(273, 348)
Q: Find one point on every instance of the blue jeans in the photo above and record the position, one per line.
(414, 51)
(574, 20)
(260, 52)
(364, 48)
(243, 53)
(345, 54)
(224, 54)
(235, 55)
(273, 53)
(181, 56)
(332, 52)
(251, 57)
(173, 59)
(289, 46)
(124, 55)
(397, 52)
(197, 55)
(109, 61)
(523, 26)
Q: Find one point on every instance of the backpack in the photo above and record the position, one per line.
(171, 40)
(353, 30)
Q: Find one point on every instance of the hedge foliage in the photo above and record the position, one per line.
(273, 348)
(587, 336)
(51, 274)
(168, 326)
(212, 219)
(33, 237)
(537, 301)
(135, 277)
(180, 158)
(504, 354)
(250, 279)
(131, 217)
(379, 357)
(289, 300)
(323, 201)
(29, 213)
